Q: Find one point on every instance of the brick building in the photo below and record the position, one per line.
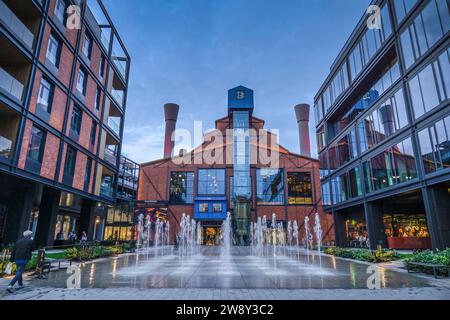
(238, 180)
(63, 89)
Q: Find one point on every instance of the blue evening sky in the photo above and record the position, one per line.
(192, 51)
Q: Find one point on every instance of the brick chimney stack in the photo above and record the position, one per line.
(302, 114)
(171, 116)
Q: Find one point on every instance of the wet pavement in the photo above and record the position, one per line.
(242, 270)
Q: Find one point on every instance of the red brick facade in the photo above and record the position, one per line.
(155, 178)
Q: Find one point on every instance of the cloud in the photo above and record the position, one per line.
(143, 143)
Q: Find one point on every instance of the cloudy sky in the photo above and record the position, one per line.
(192, 51)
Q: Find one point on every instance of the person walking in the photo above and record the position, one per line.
(83, 237)
(21, 254)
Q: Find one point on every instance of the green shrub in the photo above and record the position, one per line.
(71, 253)
(363, 254)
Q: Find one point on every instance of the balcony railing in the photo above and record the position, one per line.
(10, 19)
(111, 156)
(118, 64)
(10, 84)
(130, 184)
(106, 190)
(114, 126)
(5, 147)
(118, 96)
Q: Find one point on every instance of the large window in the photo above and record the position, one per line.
(384, 81)
(45, 95)
(326, 194)
(53, 50)
(93, 133)
(182, 187)
(343, 151)
(211, 182)
(427, 29)
(389, 117)
(431, 86)
(435, 146)
(69, 165)
(403, 7)
(87, 46)
(81, 81)
(299, 188)
(87, 175)
(60, 9)
(369, 43)
(394, 165)
(37, 144)
(270, 186)
(76, 119)
(354, 179)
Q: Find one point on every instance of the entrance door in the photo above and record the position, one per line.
(211, 236)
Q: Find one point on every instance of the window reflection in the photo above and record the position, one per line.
(427, 29)
(270, 186)
(394, 165)
(435, 146)
(211, 182)
(427, 87)
(182, 187)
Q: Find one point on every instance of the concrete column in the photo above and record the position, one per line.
(339, 229)
(45, 232)
(375, 225)
(87, 219)
(437, 209)
(19, 204)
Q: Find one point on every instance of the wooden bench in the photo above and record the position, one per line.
(435, 267)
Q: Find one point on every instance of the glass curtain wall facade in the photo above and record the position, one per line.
(388, 128)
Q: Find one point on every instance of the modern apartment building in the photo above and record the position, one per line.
(119, 220)
(63, 92)
(383, 129)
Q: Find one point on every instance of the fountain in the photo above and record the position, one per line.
(226, 236)
(307, 236)
(318, 232)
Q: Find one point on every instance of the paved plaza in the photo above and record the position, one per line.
(284, 274)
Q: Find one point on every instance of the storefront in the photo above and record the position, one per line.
(407, 231)
(356, 231)
(119, 223)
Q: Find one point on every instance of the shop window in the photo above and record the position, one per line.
(356, 231)
(299, 188)
(406, 226)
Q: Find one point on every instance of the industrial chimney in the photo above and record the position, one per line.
(302, 114)
(171, 115)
